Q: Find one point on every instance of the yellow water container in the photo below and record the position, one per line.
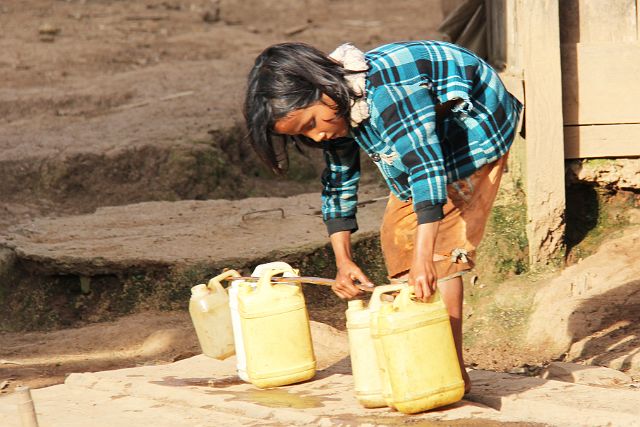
(276, 332)
(209, 310)
(383, 370)
(368, 384)
(417, 351)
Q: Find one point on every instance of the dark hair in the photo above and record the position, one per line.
(287, 77)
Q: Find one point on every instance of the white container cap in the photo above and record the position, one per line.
(199, 290)
(355, 304)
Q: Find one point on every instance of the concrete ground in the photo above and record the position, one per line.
(200, 391)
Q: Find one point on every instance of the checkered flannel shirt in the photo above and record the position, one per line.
(417, 155)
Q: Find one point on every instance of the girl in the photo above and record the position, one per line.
(434, 118)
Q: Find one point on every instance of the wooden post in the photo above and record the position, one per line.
(544, 165)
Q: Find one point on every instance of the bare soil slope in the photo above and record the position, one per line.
(113, 102)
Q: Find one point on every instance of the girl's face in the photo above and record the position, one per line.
(317, 121)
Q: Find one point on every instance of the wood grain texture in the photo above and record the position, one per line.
(602, 141)
(544, 129)
(599, 83)
(587, 21)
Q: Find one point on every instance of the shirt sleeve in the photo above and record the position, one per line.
(405, 117)
(340, 185)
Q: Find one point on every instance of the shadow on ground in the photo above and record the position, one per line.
(605, 328)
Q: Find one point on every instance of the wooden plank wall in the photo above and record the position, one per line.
(600, 82)
(581, 103)
(619, 140)
(600, 69)
(586, 21)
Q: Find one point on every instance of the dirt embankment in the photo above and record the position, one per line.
(109, 102)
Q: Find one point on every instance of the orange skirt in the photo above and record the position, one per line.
(468, 206)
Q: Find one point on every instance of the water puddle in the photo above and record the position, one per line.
(279, 398)
(199, 382)
(283, 398)
(272, 398)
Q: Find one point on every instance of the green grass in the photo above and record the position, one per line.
(503, 252)
(598, 162)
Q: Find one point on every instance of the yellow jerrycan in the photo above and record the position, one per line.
(276, 332)
(364, 365)
(233, 289)
(209, 310)
(415, 346)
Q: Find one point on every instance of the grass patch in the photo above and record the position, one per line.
(504, 250)
(598, 162)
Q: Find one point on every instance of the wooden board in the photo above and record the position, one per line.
(586, 21)
(600, 83)
(514, 84)
(602, 141)
(513, 21)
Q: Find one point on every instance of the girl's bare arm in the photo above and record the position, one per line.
(348, 271)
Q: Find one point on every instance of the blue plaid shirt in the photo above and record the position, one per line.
(418, 155)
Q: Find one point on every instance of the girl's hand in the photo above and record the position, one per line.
(423, 278)
(348, 272)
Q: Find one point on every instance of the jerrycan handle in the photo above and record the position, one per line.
(265, 280)
(262, 268)
(215, 285)
(405, 298)
(375, 302)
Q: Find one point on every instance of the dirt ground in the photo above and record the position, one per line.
(40, 359)
(108, 102)
(113, 102)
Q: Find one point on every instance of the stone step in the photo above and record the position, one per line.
(148, 235)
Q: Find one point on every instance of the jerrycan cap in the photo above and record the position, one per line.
(355, 304)
(199, 290)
